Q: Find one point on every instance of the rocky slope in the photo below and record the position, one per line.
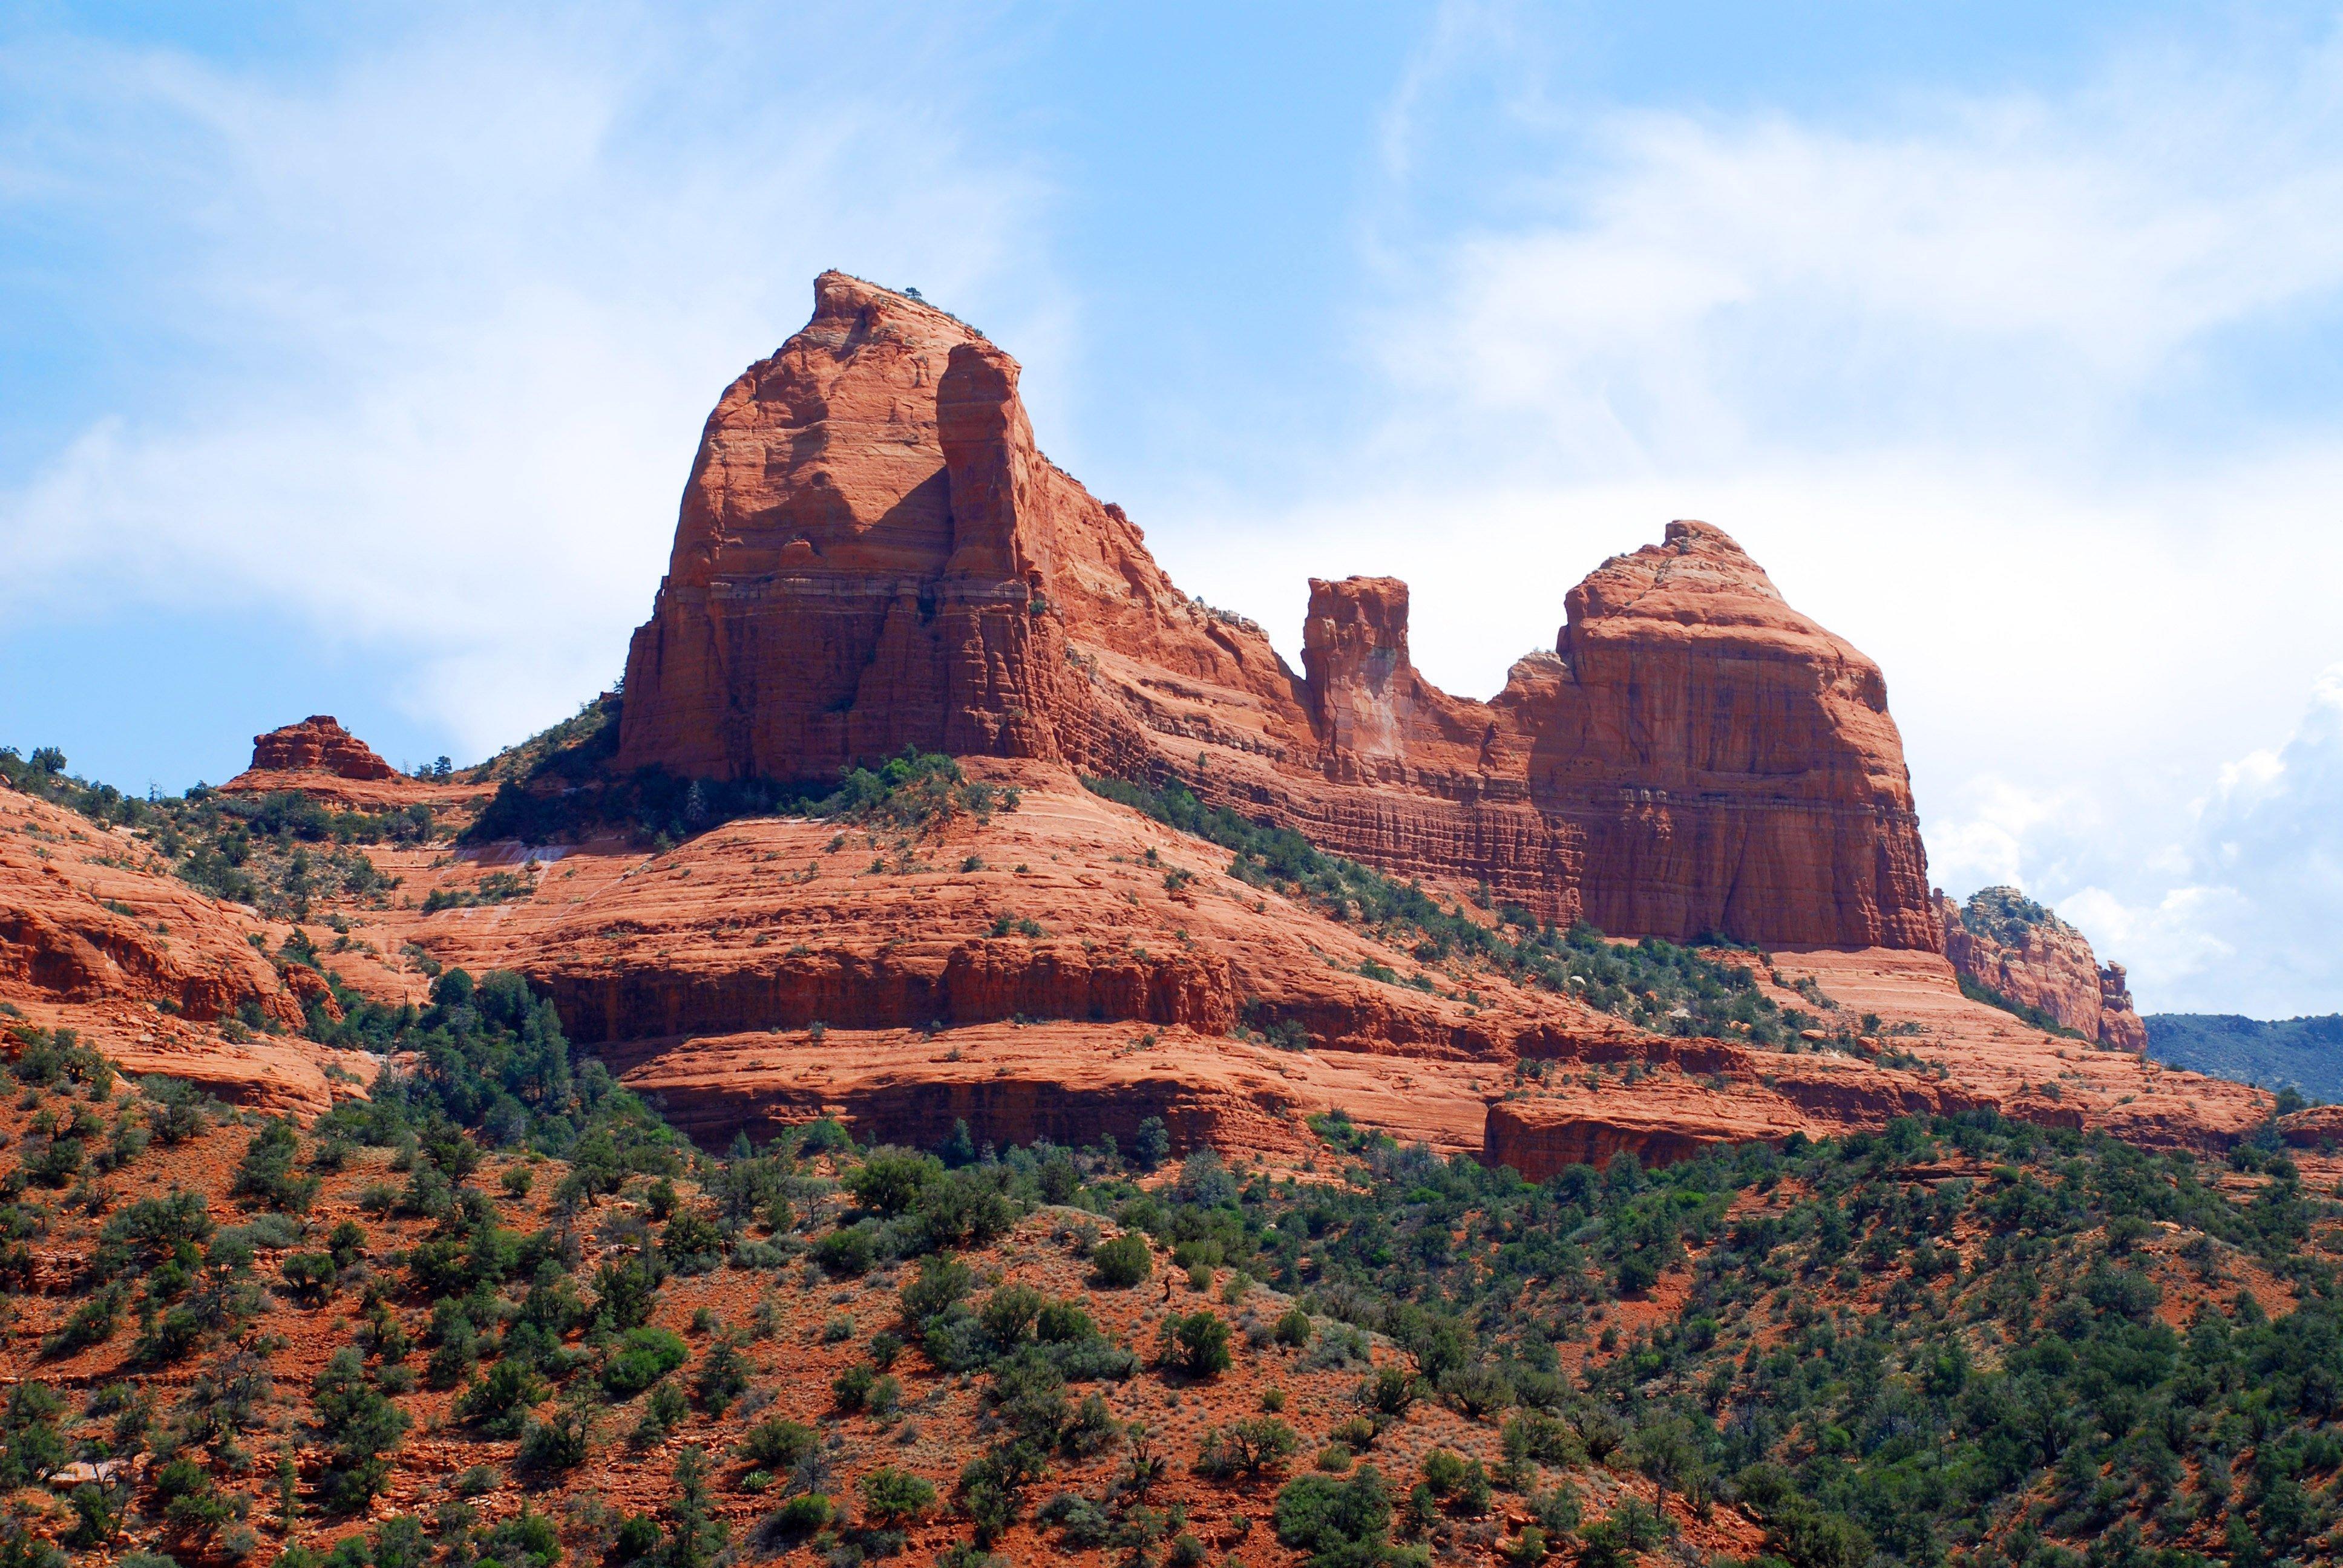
(2009, 945)
(97, 936)
(392, 1338)
(1062, 967)
(1072, 967)
(873, 553)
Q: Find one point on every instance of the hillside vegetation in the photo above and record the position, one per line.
(500, 1313)
(2302, 1053)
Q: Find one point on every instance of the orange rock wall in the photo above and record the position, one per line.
(97, 936)
(873, 553)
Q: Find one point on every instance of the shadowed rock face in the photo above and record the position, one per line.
(873, 553)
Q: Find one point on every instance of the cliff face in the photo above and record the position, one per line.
(873, 553)
(2004, 941)
(1071, 966)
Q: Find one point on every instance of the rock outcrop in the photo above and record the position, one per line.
(319, 759)
(2017, 948)
(873, 553)
(319, 744)
(77, 925)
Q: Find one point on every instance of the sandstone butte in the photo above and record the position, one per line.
(2004, 942)
(873, 554)
(320, 758)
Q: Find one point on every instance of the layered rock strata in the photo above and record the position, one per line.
(1072, 968)
(2007, 943)
(873, 553)
(319, 744)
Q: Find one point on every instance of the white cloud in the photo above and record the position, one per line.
(2248, 902)
(459, 309)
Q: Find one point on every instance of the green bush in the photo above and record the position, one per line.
(776, 1444)
(1197, 1343)
(850, 1250)
(645, 1355)
(941, 1283)
(310, 1276)
(558, 1440)
(892, 1498)
(890, 1180)
(1122, 1262)
(499, 1403)
(1336, 1521)
(802, 1515)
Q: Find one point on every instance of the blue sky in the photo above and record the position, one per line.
(353, 359)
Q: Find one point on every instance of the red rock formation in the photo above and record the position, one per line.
(319, 744)
(2007, 943)
(1669, 1118)
(1730, 764)
(76, 929)
(2119, 1021)
(319, 759)
(873, 553)
(2320, 1128)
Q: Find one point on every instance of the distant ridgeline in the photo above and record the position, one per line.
(2306, 1052)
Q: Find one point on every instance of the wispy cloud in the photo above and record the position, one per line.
(461, 304)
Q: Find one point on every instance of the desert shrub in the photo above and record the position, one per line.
(850, 1250)
(1122, 1262)
(361, 1427)
(1388, 1391)
(892, 1498)
(645, 1355)
(890, 1180)
(799, 1517)
(558, 1440)
(1634, 1527)
(1197, 1343)
(1251, 1447)
(941, 1283)
(309, 1276)
(776, 1444)
(1336, 1521)
(1476, 1390)
(1081, 1523)
(266, 1173)
(499, 1401)
(1459, 1482)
